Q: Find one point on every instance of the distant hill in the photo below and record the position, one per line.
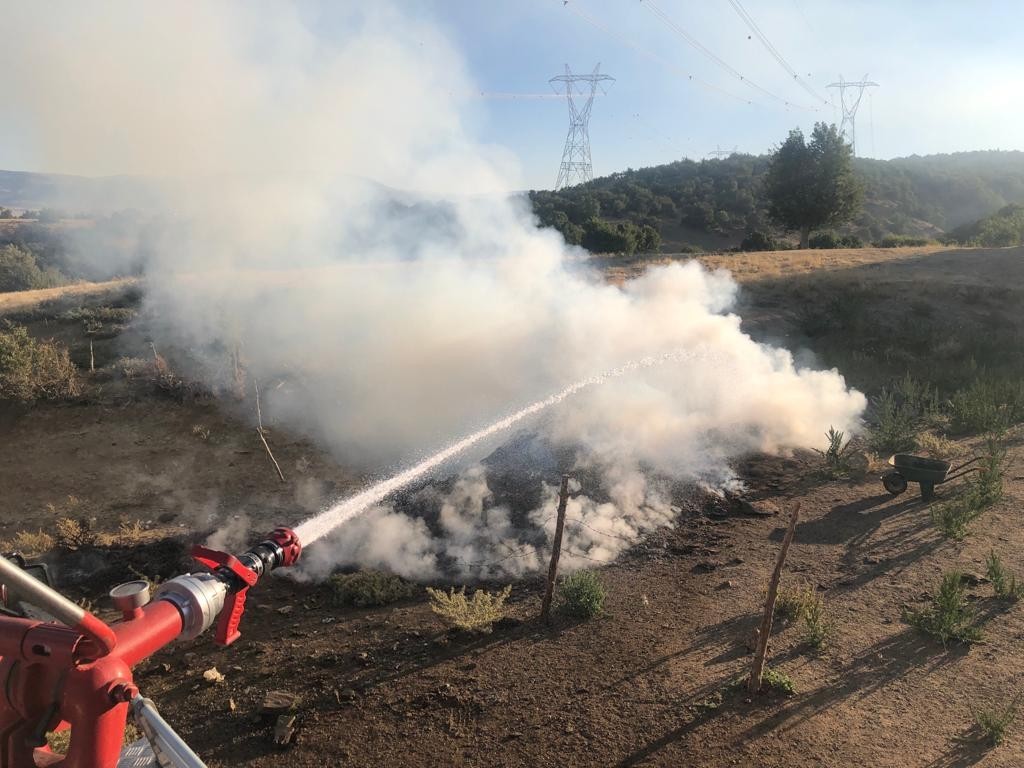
(1003, 228)
(22, 190)
(712, 204)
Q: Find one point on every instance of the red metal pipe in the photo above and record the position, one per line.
(158, 625)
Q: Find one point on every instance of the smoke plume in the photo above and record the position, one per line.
(392, 322)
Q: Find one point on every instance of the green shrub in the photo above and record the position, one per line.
(471, 615)
(34, 370)
(756, 240)
(818, 627)
(902, 241)
(364, 589)
(777, 680)
(948, 617)
(977, 494)
(19, 271)
(987, 405)
(1004, 583)
(994, 723)
(834, 457)
(581, 595)
(894, 424)
(953, 518)
(987, 485)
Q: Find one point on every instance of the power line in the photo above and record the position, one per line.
(738, 7)
(651, 55)
(696, 44)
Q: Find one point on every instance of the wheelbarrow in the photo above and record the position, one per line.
(928, 472)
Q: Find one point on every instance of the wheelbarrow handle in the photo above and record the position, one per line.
(961, 474)
(965, 464)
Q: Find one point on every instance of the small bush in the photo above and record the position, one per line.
(818, 628)
(936, 446)
(835, 456)
(791, 604)
(948, 617)
(135, 367)
(977, 494)
(581, 595)
(824, 240)
(757, 240)
(368, 588)
(29, 543)
(894, 424)
(987, 485)
(953, 518)
(987, 405)
(34, 370)
(471, 615)
(994, 723)
(203, 433)
(777, 680)
(73, 533)
(1004, 583)
(130, 533)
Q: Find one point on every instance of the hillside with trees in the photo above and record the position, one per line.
(716, 204)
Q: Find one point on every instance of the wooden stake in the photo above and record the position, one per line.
(556, 550)
(259, 431)
(764, 633)
(92, 359)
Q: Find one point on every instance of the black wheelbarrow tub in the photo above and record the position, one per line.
(918, 469)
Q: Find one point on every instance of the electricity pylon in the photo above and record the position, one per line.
(850, 107)
(576, 167)
(720, 153)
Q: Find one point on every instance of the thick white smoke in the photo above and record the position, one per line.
(393, 322)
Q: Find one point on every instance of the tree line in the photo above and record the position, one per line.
(914, 198)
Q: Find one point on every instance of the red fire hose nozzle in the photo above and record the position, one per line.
(281, 549)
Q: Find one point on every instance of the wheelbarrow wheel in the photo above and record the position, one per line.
(894, 482)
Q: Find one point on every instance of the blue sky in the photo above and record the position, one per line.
(950, 74)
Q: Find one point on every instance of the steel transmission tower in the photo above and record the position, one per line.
(849, 126)
(576, 167)
(720, 153)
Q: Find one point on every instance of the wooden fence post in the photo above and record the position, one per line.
(764, 634)
(556, 550)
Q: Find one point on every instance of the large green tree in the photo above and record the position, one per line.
(811, 185)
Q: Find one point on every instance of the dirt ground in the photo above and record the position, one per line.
(645, 684)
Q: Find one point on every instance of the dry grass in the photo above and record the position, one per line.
(29, 543)
(19, 301)
(759, 265)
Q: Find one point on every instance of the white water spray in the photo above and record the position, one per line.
(319, 526)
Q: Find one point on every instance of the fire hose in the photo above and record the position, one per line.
(75, 671)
